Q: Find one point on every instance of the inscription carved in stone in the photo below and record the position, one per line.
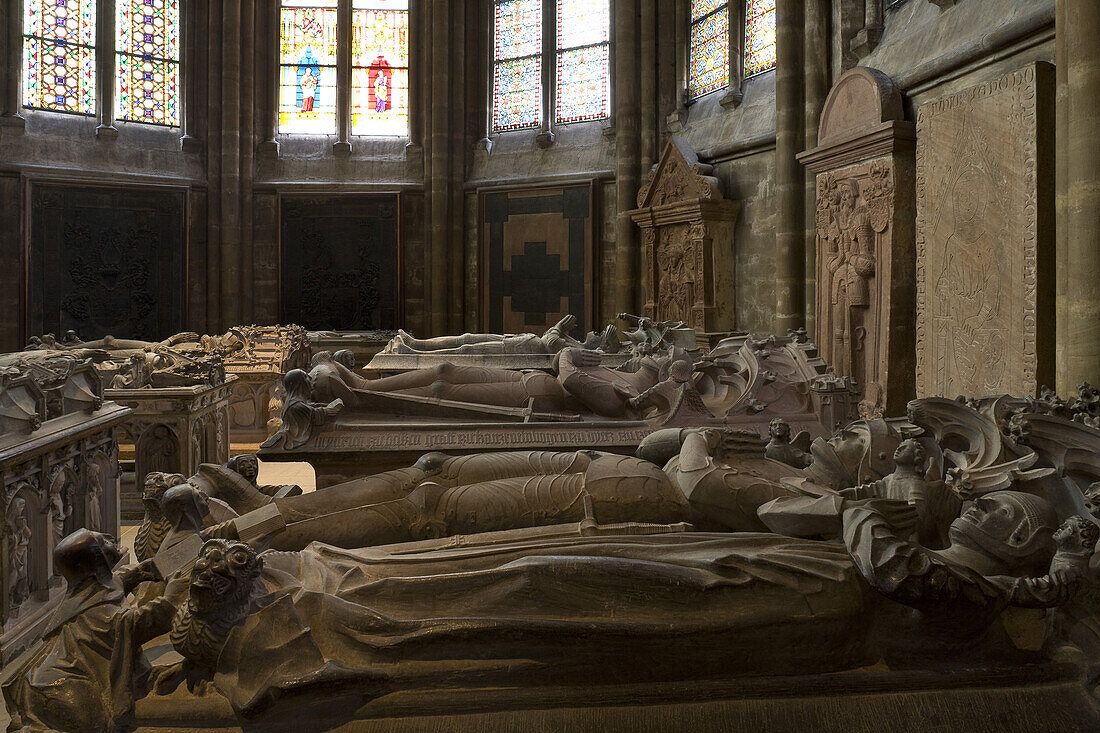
(984, 231)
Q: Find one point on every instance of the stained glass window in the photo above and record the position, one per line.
(517, 67)
(59, 55)
(759, 36)
(708, 67)
(582, 63)
(307, 67)
(147, 82)
(380, 67)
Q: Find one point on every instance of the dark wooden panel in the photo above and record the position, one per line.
(106, 261)
(340, 262)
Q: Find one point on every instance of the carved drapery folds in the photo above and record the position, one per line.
(688, 236)
(865, 294)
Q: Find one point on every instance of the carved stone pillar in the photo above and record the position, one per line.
(865, 291)
(688, 230)
(789, 181)
(1077, 23)
(625, 275)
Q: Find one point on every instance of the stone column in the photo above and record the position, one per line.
(213, 164)
(627, 255)
(1078, 194)
(816, 73)
(230, 163)
(440, 167)
(105, 70)
(269, 30)
(789, 178)
(188, 101)
(11, 61)
(342, 147)
(647, 57)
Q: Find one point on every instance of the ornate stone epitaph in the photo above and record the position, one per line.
(865, 292)
(688, 232)
(985, 237)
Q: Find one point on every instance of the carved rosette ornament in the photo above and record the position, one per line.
(864, 214)
(688, 236)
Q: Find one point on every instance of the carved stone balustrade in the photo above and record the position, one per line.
(269, 352)
(59, 472)
(173, 430)
(688, 231)
(865, 272)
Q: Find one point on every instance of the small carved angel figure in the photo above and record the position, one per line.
(19, 543)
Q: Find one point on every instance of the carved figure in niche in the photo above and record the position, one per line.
(849, 251)
(88, 669)
(781, 448)
(275, 408)
(19, 547)
(554, 340)
(159, 451)
(676, 282)
(154, 525)
(969, 298)
(57, 503)
(94, 517)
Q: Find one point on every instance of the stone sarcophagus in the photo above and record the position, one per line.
(864, 272)
(688, 232)
(267, 354)
(985, 237)
(59, 472)
(172, 430)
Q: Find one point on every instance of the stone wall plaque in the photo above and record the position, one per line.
(340, 262)
(864, 264)
(688, 233)
(537, 258)
(106, 260)
(985, 249)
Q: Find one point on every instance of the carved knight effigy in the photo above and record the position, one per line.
(951, 549)
(341, 421)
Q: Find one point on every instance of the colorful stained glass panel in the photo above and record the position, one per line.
(582, 84)
(307, 74)
(147, 80)
(517, 93)
(582, 22)
(759, 36)
(709, 59)
(699, 8)
(517, 29)
(59, 55)
(380, 69)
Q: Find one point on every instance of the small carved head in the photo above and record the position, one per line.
(1077, 535)
(910, 453)
(85, 553)
(1014, 528)
(223, 574)
(345, 357)
(246, 464)
(156, 483)
(779, 430)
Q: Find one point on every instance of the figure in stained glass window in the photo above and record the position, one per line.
(517, 64)
(581, 88)
(59, 55)
(147, 74)
(759, 36)
(380, 67)
(708, 65)
(307, 59)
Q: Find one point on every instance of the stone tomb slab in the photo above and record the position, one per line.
(985, 238)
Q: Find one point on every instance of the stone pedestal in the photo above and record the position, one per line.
(688, 234)
(985, 238)
(269, 353)
(864, 266)
(59, 472)
(172, 429)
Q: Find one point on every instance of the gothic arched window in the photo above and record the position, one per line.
(59, 55)
(317, 56)
(380, 67)
(576, 35)
(759, 36)
(708, 57)
(147, 47)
